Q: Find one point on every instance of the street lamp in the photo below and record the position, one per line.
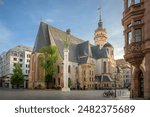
(116, 77)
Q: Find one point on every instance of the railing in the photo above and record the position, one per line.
(134, 47)
(134, 53)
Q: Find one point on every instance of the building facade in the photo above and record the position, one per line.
(125, 72)
(90, 66)
(19, 54)
(136, 22)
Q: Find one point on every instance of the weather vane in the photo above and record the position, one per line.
(99, 10)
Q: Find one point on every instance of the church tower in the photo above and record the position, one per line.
(100, 35)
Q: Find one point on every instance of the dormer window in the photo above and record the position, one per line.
(107, 50)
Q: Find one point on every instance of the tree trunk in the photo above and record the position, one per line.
(47, 87)
(17, 85)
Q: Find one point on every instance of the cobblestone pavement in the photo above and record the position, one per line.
(25, 94)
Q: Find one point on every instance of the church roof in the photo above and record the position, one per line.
(99, 52)
(84, 49)
(79, 50)
(103, 78)
(108, 45)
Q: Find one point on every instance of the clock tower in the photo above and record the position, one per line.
(100, 35)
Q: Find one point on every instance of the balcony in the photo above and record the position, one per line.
(133, 53)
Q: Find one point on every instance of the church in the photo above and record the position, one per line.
(90, 66)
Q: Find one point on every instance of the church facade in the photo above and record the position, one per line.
(90, 66)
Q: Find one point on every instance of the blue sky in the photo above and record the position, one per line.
(20, 19)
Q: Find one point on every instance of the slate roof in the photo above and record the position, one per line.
(103, 78)
(108, 45)
(79, 50)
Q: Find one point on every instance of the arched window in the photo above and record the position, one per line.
(104, 67)
(112, 53)
(69, 69)
(58, 69)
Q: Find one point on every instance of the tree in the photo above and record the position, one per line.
(17, 78)
(48, 62)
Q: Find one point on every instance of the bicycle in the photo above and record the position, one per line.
(108, 93)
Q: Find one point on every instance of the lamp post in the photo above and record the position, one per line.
(116, 77)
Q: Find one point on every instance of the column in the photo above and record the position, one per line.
(132, 31)
(125, 4)
(135, 82)
(65, 88)
(147, 77)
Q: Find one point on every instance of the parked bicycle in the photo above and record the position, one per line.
(108, 93)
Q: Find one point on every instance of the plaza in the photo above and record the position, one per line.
(24, 94)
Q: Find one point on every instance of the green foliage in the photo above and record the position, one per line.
(17, 77)
(69, 82)
(48, 60)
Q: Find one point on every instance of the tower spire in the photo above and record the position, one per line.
(100, 23)
(100, 35)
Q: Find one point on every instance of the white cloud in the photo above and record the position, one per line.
(1, 2)
(119, 51)
(116, 38)
(49, 20)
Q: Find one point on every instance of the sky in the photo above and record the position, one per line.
(20, 19)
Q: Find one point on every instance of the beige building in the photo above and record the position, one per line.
(125, 74)
(90, 66)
